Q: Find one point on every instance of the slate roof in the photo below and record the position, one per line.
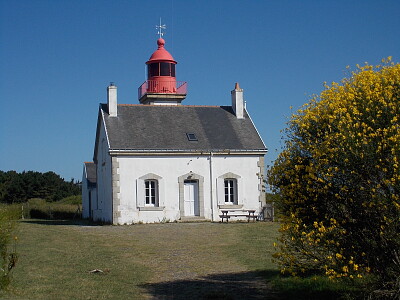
(91, 173)
(160, 127)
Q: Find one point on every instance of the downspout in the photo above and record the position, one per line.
(112, 192)
(211, 188)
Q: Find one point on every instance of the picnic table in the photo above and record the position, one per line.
(248, 213)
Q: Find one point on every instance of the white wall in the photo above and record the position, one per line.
(89, 197)
(169, 168)
(85, 195)
(103, 210)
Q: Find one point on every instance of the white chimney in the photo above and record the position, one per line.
(237, 101)
(112, 99)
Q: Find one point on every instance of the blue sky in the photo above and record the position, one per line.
(57, 58)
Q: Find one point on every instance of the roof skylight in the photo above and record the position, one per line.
(191, 137)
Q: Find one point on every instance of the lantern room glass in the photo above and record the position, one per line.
(161, 69)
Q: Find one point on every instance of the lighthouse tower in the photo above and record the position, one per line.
(161, 87)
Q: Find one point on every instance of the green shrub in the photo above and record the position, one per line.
(66, 209)
(73, 200)
(8, 256)
(271, 198)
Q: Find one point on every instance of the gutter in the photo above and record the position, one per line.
(185, 151)
(211, 188)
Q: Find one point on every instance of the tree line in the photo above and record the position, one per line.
(20, 187)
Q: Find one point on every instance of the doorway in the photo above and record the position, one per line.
(191, 198)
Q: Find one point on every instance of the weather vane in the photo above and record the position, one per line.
(160, 29)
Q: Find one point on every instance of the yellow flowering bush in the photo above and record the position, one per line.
(338, 179)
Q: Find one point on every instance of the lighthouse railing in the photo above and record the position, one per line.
(164, 87)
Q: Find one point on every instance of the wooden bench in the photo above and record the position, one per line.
(227, 214)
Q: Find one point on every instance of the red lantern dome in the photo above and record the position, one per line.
(161, 86)
(161, 54)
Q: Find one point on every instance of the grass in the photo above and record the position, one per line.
(154, 261)
(67, 208)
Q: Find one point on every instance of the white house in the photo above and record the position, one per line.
(161, 160)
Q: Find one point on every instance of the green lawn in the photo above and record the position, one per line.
(153, 261)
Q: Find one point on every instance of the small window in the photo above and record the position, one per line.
(230, 191)
(191, 136)
(151, 189)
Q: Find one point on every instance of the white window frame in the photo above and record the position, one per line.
(230, 191)
(151, 192)
(141, 193)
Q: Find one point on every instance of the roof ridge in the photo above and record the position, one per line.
(180, 106)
